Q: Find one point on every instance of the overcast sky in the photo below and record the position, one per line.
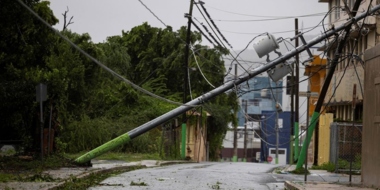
(102, 18)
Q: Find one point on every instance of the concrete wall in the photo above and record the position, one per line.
(371, 118)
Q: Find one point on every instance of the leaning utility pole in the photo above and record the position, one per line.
(307, 123)
(296, 91)
(276, 124)
(291, 147)
(245, 103)
(235, 152)
(321, 98)
(185, 79)
(126, 137)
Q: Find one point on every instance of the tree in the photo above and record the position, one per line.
(93, 106)
(24, 44)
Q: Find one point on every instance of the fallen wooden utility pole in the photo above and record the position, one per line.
(118, 141)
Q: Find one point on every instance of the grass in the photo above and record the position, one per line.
(299, 171)
(25, 168)
(28, 168)
(93, 179)
(128, 157)
(328, 166)
(138, 183)
(216, 186)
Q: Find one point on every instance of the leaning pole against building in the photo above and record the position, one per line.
(118, 141)
(314, 118)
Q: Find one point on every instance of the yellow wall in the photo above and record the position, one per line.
(317, 72)
(324, 138)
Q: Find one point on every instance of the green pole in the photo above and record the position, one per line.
(310, 130)
(296, 141)
(103, 148)
(183, 143)
(291, 148)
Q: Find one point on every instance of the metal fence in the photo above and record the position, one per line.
(170, 139)
(346, 146)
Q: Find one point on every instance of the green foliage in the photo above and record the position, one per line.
(90, 105)
(24, 44)
(124, 156)
(218, 123)
(93, 179)
(300, 171)
(27, 168)
(140, 183)
(330, 167)
(345, 164)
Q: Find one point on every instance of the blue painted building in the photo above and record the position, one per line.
(268, 134)
(259, 96)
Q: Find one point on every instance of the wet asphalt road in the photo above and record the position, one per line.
(207, 175)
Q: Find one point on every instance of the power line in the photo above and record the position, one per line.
(95, 60)
(235, 58)
(209, 33)
(260, 20)
(200, 70)
(203, 34)
(217, 29)
(221, 43)
(152, 13)
(276, 32)
(250, 15)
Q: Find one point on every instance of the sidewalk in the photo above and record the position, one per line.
(63, 174)
(321, 179)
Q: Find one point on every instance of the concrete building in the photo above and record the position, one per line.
(350, 70)
(358, 66)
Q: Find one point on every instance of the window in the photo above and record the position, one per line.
(337, 9)
(334, 86)
(356, 46)
(360, 46)
(351, 3)
(254, 102)
(280, 151)
(257, 134)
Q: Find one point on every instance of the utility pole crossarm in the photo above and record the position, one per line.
(219, 90)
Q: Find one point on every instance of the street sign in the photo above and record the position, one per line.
(311, 94)
(269, 159)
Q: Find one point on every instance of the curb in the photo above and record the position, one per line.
(293, 186)
(98, 171)
(108, 170)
